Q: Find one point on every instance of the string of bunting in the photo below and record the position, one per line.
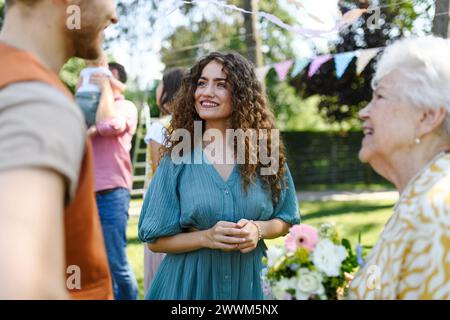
(344, 21)
(341, 62)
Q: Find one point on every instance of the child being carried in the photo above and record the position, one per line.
(88, 94)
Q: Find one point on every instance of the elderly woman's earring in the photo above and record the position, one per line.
(417, 140)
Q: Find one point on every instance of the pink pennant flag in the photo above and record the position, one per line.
(364, 58)
(350, 17)
(317, 63)
(261, 73)
(282, 69)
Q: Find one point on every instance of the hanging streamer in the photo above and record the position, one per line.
(341, 61)
(261, 72)
(311, 33)
(300, 65)
(364, 58)
(349, 18)
(302, 6)
(282, 69)
(317, 63)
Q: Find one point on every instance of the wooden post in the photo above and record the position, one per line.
(441, 19)
(252, 37)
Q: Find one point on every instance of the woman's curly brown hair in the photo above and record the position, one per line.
(250, 111)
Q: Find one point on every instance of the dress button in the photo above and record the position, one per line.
(227, 277)
(226, 192)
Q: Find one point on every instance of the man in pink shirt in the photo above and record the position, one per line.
(116, 122)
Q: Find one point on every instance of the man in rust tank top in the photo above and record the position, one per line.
(51, 244)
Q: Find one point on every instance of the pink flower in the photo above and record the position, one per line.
(301, 236)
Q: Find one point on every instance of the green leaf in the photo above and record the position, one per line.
(347, 245)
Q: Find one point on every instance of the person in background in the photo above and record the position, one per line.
(407, 141)
(87, 94)
(116, 122)
(51, 242)
(156, 134)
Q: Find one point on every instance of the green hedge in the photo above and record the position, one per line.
(327, 158)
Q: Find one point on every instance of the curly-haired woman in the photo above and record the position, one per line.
(210, 217)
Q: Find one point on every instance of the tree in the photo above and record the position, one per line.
(2, 12)
(252, 38)
(342, 98)
(216, 30)
(220, 29)
(441, 19)
(70, 72)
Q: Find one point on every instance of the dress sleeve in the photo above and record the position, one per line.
(160, 215)
(287, 207)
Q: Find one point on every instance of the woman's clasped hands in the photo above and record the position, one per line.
(229, 236)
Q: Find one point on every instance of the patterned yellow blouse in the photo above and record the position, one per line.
(411, 260)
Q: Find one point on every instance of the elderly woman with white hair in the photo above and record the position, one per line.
(407, 141)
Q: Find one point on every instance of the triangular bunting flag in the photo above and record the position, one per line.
(317, 63)
(364, 58)
(342, 60)
(282, 69)
(300, 64)
(261, 73)
(350, 17)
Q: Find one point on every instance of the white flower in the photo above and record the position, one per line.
(328, 257)
(280, 287)
(308, 283)
(327, 230)
(274, 255)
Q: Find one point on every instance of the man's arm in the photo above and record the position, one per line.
(32, 263)
(109, 120)
(116, 84)
(106, 109)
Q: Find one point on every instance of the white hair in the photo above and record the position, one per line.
(424, 67)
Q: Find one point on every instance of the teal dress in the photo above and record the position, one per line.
(183, 196)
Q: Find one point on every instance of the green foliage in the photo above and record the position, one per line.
(291, 111)
(70, 72)
(277, 40)
(223, 30)
(187, 44)
(341, 99)
(211, 34)
(2, 12)
(321, 103)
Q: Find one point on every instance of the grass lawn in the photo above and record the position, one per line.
(346, 186)
(351, 217)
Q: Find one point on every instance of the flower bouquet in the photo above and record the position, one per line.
(312, 265)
